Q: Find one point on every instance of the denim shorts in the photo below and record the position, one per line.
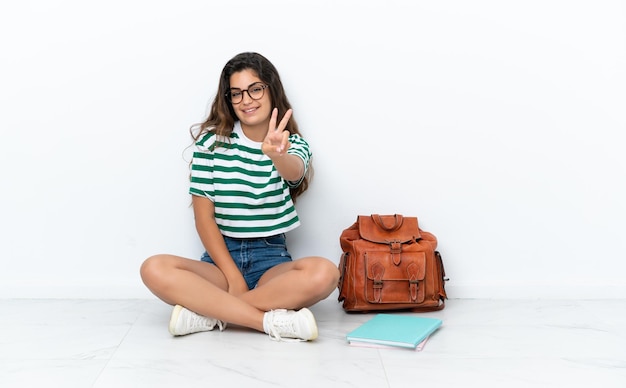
(254, 256)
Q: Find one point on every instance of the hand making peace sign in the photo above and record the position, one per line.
(276, 142)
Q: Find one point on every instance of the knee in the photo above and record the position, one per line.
(152, 269)
(325, 275)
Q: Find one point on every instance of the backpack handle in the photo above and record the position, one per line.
(380, 222)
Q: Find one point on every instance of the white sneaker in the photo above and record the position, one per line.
(299, 325)
(184, 322)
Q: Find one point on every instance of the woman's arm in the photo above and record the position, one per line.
(290, 167)
(213, 242)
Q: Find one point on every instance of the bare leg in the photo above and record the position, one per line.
(199, 287)
(202, 288)
(295, 284)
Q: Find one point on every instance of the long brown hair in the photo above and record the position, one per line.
(222, 117)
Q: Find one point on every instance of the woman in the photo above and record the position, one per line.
(246, 174)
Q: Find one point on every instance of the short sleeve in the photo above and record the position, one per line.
(201, 179)
(300, 148)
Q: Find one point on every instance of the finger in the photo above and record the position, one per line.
(284, 143)
(283, 123)
(273, 118)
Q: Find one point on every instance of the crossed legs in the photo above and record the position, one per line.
(201, 287)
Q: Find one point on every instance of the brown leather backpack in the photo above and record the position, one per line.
(389, 263)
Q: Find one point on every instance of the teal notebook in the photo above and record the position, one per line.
(406, 331)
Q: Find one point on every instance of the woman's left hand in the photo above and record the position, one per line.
(276, 142)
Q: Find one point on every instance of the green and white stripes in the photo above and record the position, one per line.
(251, 199)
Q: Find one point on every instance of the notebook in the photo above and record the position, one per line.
(405, 331)
(360, 344)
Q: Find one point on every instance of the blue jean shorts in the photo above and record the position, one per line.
(254, 256)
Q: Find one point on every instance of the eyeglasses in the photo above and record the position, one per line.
(255, 91)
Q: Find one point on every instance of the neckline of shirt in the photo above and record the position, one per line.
(245, 139)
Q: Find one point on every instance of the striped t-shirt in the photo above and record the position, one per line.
(251, 199)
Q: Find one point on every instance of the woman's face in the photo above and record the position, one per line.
(250, 98)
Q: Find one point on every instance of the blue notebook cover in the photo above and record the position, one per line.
(405, 331)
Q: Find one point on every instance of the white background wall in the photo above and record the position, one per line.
(499, 124)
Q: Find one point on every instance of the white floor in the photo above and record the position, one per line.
(482, 343)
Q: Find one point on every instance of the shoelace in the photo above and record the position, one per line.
(197, 322)
(221, 325)
(282, 325)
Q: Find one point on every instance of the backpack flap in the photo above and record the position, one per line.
(385, 229)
